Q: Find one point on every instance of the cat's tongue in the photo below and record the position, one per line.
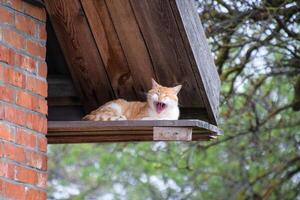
(159, 107)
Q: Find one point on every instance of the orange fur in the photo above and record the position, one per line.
(162, 103)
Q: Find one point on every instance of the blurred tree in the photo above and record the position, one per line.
(256, 47)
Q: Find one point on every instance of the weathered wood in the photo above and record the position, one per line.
(65, 113)
(193, 35)
(114, 47)
(110, 48)
(60, 86)
(172, 134)
(112, 131)
(64, 101)
(56, 62)
(133, 44)
(169, 57)
(80, 51)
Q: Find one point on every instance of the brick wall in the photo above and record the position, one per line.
(23, 108)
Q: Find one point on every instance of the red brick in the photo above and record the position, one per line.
(43, 195)
(25, 62)
(43, 70)
(36, 160)
(41, 106)
(10, 191)
(26, 175)
(25, 138)
(36, 49)
(14, 77)
(37, 123)
(42, 144)
(37, 86)
(13, 152)
(5, 132)
(6, 169)
(25, 24)
(32, 194)
(1, 72)
(34, 11)
(15, 4)
(1, 149)
(42, 32)
(6, 17)
(26, 100)
(15, 115)
(13, 38)
(6, 94)
(31, 102)
(1, 111)
(1, 187)
(6, 55)
(42, 180)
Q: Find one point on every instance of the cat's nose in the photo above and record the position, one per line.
(161, 99)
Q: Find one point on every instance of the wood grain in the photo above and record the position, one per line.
(122, 131)
(60, 86)
(193, 35)
(110, 48)
(133, 44)
(80, 51)
(114, 47)
(169, 57)
(172, 134)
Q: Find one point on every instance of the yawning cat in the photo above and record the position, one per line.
(162, 104)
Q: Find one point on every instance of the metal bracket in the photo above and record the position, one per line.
(172, 133)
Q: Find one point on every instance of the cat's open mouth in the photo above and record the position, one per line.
(160, 106)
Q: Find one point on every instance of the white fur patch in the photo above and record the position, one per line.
(116, 107)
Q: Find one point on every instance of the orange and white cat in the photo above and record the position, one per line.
(162, 104)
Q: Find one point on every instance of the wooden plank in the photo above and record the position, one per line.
(61, 86)
(169, 57)
(67, 113)
(172, 134)
(133, 44)
(110, 48)
(111, 138)
(64, 101)
(112, 131)
(80, 51)
(193, 35)
(56, 62)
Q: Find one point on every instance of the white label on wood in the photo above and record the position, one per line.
(172, 133)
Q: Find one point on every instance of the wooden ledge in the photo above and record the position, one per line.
(63, 132)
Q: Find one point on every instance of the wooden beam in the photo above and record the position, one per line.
(166, 48)
(193, 35)
(133, 44)
(61, 86)
(110, 48)
(80, 51)
(66, 113)
(125, 131)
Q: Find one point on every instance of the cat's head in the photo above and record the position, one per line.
(161, 98)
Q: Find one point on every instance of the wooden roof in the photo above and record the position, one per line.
(112, 48)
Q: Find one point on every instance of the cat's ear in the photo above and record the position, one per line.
(177, 88)
(154, 83)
